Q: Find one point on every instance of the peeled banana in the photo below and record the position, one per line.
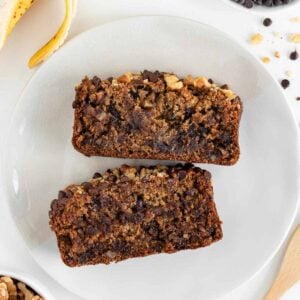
(11, 12)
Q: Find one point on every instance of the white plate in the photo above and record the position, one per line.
(256, 199)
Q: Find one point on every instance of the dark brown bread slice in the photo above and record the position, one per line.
(134, 212)
(157, 116)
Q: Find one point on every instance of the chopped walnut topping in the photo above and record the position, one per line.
(256, 39)
(173, 82)
(126, 78)
(229, 94)
(189, 80)
(200, 82)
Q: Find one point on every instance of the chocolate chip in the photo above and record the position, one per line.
(181, 174)
(69, 194)
(76, 104)
(210, 81)
(159, 246)
(137, 82)
(96, 81)
(61, 195)
(91, 230)
(190, 192)
(53, 206)
(179, 165)
(225, 87)
(285, 83)
(87, 186)
(139, 202)
(161, 146)
(151, 76)
(207, 175)
(114, 112)
(65, 239)
(188, 166)
(137, 218)
(134, 95)
(266, 3)
(153, 228)
(189, 112)
(202, 130)
(267, 22)
(104, 201)
(97, 175)
(294, 55)
(248, 3)
(112, 178)
(298, 98)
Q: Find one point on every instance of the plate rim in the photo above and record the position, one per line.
(227, 35)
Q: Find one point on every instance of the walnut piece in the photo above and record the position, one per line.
(295, 38)
(173, 82)
(3, 291)
(27, 293)
(11, 289)
(229, 94)
(256, 39)
(201, 82)
(126, 78)
(198, 82)
(266, 59)
(277, 54)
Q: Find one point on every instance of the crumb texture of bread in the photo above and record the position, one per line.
(156, 115)
(133, 212)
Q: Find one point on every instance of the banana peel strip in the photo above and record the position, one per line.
(58, 39)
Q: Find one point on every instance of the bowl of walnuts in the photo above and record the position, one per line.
(17, 286)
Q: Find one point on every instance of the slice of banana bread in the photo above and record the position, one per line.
(155, 115)
(133, 212)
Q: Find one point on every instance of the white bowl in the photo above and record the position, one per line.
(263, 9)
(29, 281)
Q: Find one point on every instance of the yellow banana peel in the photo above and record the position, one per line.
(57, 39)
(11, 12)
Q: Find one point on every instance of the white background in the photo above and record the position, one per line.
(41, 22)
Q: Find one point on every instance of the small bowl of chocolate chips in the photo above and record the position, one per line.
(263, 6)
(16, 286)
